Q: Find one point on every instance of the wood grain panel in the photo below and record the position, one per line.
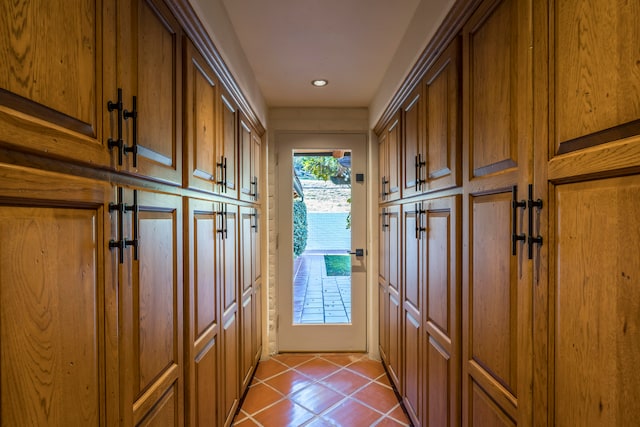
(493, 313)
(438, 387)
(412, 141)
(485, 412)
(492, 76)
(228, 147)
(156, 296)
(383, 322)
(596, 301)
(56, 65)
(165, 413)
(596, 78)
(395, 338)
(245, 160)
(153, 73)
(443, 136)
(383, 247)
(412, 365)
(52, 61)
(157, 81)
(412, 286)
(395, 138)
(206, 387)
(52, 351)
(205, 292)
(201, 121)
(439, 310)
(230, 374)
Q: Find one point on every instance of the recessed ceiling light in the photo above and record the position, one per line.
(319, 82)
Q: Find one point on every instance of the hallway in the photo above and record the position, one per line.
(320, 390)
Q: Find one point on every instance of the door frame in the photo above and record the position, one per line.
(358, 339)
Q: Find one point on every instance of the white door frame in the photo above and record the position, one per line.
(320, 337)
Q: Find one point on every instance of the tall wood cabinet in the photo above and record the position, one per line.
(58, 300)
(123, 297)
(496, 283)
(587, 165)
(542, 328)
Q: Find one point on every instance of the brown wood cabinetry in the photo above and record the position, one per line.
(151, 309)
(587, 165)
(231, 362)
(389, 160)
(496, 286)
(431, 137)
(389, 284)
(58, 301)
(58, 71)
(149, 44)
(202, 309)
(250, 289)
(227, 146)
(412, 307)
(250, 143)
(121, 294)
(202, 123)
(548, 219)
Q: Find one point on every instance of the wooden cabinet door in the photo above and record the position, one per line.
(250, 144)
(256, 273)
(497, 155)
(413, 143)
(153, 368)
(389, 160)
(383, 285)
(202, 311)
(442, 313)
(58, 301)
(383, 169)
(587, 297)
(201, 122)
(250, 290)
(246, 296)
(57, 74)
(227, 237)
(228, 144)
(394, 296)
(413, 287)
(443, 117)
(150, 68)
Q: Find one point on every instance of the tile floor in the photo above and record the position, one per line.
(316, 390)
(318, 298)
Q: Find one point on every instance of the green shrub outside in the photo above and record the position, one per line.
(299, 227)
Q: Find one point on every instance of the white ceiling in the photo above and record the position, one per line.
(351, 43)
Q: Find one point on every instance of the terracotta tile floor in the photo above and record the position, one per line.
(314, 390)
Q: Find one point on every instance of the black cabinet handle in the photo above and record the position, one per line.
(385, 225)
(538, 205)
(223, 173)
(419, 227)
(136, 238)
(119, 244)
(384, 184)
(515, 204)
(254, 215)
(118, 143)
(254, 185)
(222, 213)
(133, 114)
(419, 165)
